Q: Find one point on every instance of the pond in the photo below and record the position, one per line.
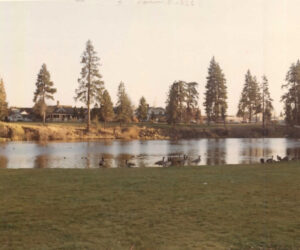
(143, 153)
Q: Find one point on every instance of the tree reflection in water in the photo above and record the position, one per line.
(3, 161)
(41, 161)
(216, 152)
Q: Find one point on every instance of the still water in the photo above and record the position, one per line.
(142, 153)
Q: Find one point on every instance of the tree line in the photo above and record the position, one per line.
(182, 104)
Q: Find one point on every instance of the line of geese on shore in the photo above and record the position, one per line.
(279, 159)
(165, 162)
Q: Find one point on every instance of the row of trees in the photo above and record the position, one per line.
(255, 99)
(90, 91)
(182, 99)
(182, 102)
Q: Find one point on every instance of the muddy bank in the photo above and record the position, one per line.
(50, 132)
(21, 132)
(242, 131)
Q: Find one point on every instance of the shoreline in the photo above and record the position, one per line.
(77, 132)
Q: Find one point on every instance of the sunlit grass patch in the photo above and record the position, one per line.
(222, 207)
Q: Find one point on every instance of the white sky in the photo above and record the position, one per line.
(147, 46)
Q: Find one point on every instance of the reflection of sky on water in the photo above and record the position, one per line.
(142, 153)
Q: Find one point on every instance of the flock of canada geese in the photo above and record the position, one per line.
(279, 159)
(165, 162)
(178, 160)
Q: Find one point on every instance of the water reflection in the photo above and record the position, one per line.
(216, 152)
(41, 161)
(142, 153)
(3, 161)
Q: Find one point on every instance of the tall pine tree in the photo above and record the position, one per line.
(267, 106)
(291, 98)
(192, 97)
(142, 110)
(124, 108)
(106, 109)
(44, 90)
(3, 103)
(90, 82)
(216, 93)
(250, 101)
(176, 102)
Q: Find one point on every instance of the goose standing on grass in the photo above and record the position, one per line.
(196, 161)
(129, 164)
(102, 162)
(279, 158)
(270, 160)
(286, 158)
(160, 163)
(262, 160)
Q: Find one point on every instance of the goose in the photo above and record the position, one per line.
(270, 160)
(286, 158)
(160, 162)
(279, 158)
(102, 162)
(262, 160)
(196, 161)
(129, 164)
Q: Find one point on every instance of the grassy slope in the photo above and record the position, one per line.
(220, 207)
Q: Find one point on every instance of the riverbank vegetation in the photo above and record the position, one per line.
(220, 207)
(142, 131)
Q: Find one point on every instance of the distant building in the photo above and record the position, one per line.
(156, 113)
(61, 113)
(20, 114)
(234, 119)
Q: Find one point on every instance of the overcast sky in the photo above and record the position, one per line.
(147, 46)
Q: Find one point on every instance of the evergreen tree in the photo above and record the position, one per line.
(124, 108)
(106, 109)
(44, 90)
(90, 82)
(198, 116)
(176, 102)
(216, 93)
(292, 97)
(3, 103)
(250, 101)
(192, 97)
(142, 111)
(40, 109)
(267, 106)
(82, 113)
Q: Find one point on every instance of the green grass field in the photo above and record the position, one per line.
(222, 207)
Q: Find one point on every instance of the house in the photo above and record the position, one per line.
(20, 114)
(60, 113)
(233, 119)
(156, 113)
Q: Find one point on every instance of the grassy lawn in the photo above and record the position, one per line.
(222, 207)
